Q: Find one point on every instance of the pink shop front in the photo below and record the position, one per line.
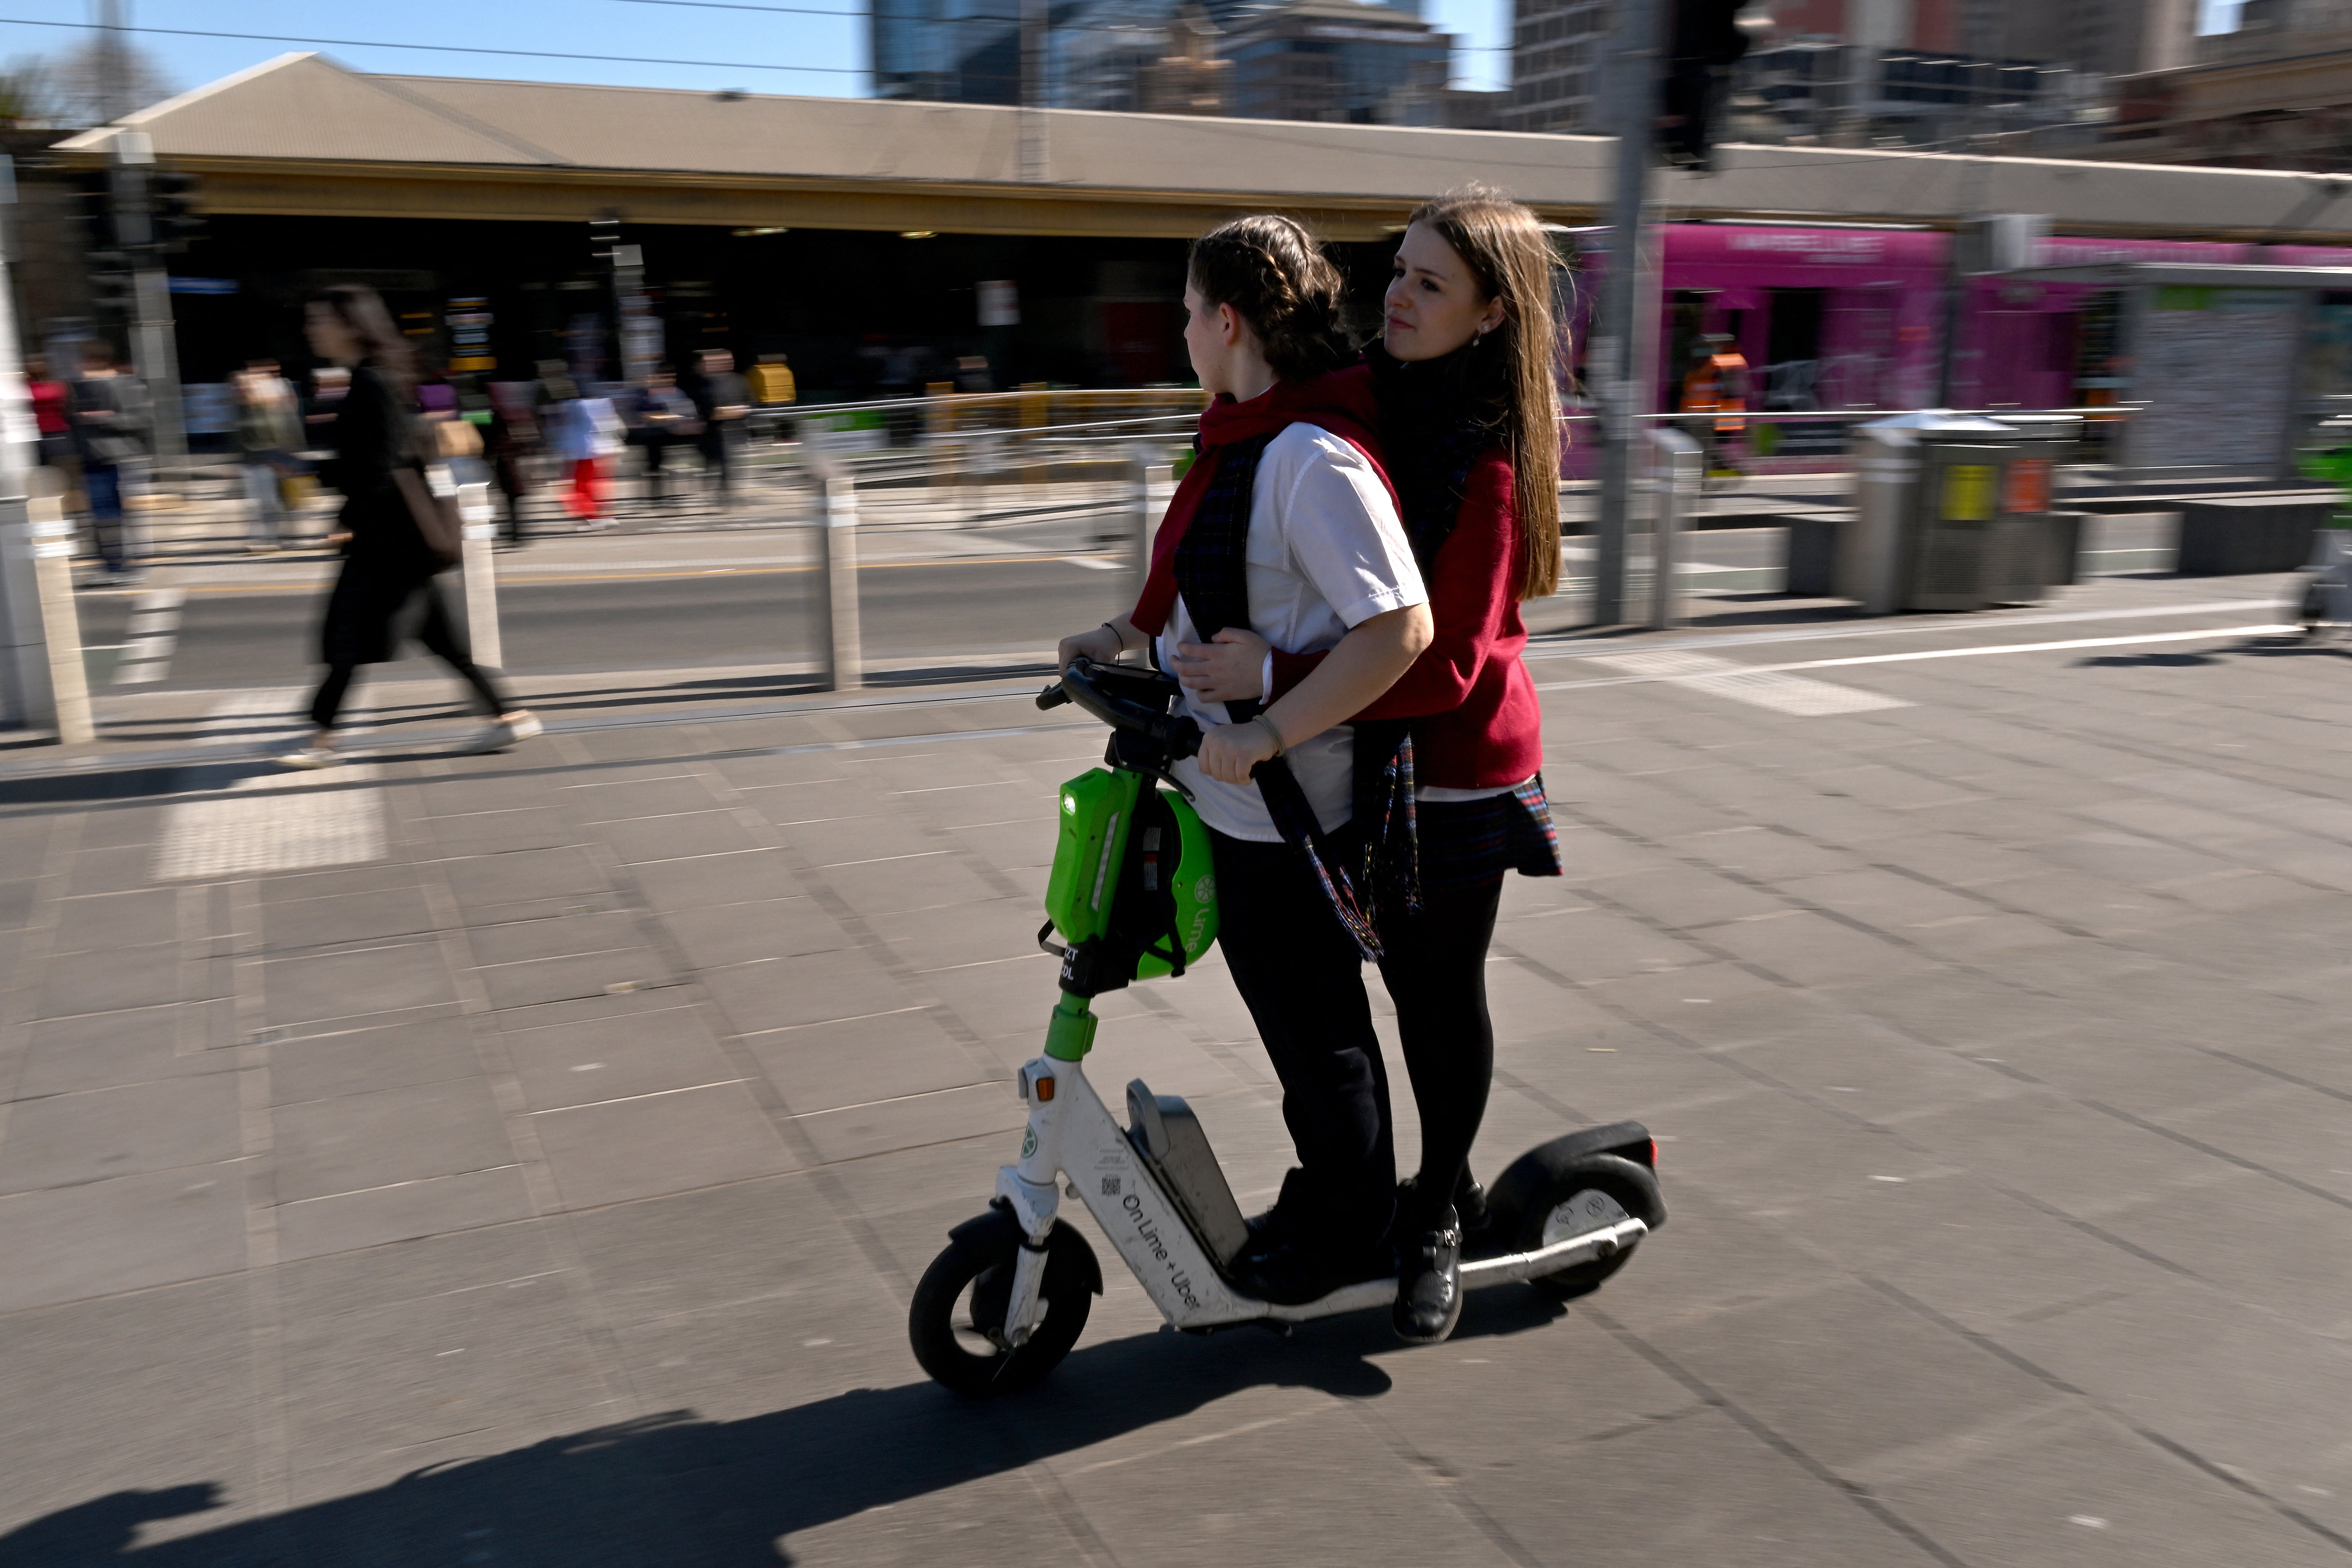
(1849, 322)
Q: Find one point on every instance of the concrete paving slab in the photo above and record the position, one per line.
(657, 1143)
(939, 1116)
(716, 936)
(338, 1062)
(356, 980)
(162, 1125)
(343, 918)
(590, 1062)
(125, 1233)
(110, 1050)
(384, 1137)
(401, 1211)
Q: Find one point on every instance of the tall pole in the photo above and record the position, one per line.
(42, 683)
(113, 62)
(153, 346)
(1626, 297)
(1034, 156)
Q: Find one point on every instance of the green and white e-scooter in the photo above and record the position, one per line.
(1133, 897)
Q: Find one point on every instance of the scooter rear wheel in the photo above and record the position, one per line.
(956, 1324)
(1576, 1195)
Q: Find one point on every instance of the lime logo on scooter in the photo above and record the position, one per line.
(1028, 1143)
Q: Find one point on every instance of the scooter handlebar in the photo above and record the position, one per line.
(1087, 684)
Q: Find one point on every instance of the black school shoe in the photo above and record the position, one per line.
(1429, 1278)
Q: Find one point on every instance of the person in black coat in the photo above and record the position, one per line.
(388, 581)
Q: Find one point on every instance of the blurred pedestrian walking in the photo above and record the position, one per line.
(585, 435)
(512, 442)
(396, 547)
(52, 401)
(721, 399)
(52, 404)
(109, 427)
(665, 418)
(269, 433)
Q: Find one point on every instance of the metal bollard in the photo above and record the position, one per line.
(477, 562)
(51, 534)
(837, 600)
(1679, 467)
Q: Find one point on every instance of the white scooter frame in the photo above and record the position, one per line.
(1072, 1134)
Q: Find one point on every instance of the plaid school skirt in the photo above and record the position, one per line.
(1462, 843)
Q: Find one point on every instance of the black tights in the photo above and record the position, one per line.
(440, 640)
(1298, 973)
(1436, 969)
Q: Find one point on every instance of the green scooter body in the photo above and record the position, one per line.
(1099, 811)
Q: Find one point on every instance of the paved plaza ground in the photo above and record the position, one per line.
(527, 1160)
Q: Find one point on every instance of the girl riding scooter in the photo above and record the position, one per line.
(1286, 528)
(1467, 407)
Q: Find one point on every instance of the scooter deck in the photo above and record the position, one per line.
(1502, 1268)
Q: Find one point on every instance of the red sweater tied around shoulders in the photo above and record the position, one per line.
(1340, 402)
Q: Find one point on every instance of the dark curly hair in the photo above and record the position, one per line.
(1278, 279)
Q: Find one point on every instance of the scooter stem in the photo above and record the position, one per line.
(1070, 1032)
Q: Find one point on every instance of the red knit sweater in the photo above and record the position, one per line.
(1477, 724)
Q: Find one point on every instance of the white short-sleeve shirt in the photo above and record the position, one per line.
(1325, 554)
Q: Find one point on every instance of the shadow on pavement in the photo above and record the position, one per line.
(677, 1490)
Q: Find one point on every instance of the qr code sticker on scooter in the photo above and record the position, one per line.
(1110, 1186)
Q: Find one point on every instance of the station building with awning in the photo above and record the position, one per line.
(877, 241)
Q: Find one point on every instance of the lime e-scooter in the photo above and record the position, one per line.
(1133, 896)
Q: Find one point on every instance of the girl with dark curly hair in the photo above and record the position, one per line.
(1286, 530)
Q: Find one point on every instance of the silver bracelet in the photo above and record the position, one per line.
(1280, 745)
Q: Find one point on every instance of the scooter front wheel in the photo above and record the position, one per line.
(956, 1324)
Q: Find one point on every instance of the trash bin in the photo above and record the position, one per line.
(1952, 512)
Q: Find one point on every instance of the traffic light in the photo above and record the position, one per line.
(113, 283)
(176, 223)
(109, 264)
(1708, 40)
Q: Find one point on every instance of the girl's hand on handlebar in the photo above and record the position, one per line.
(1228, 751)
(1228, 668)
(1102, 644)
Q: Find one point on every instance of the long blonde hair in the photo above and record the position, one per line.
(1505, 248)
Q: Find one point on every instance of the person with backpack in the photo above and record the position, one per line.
(1468, 415)
(1286, 528)
(389, 566)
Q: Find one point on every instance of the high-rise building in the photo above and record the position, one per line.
(1330, 59)
(1952, 72)
(1188, 77)
(1555, 61)
(2276, 93)
(956, 51)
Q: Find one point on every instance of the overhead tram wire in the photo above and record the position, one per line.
(435, 48)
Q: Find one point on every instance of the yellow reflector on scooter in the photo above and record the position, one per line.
(1044, 1087)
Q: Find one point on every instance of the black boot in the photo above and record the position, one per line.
(1429, 1277)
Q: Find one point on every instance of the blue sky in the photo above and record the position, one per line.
(742, 44)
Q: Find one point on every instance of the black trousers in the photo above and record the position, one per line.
(1434, 964)
(440, 640)
(1299, 975)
